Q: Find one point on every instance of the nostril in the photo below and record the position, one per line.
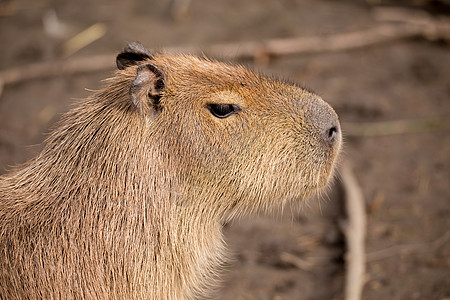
(332, 133)
(327, 124)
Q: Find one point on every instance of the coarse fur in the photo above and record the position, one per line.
(127, 197)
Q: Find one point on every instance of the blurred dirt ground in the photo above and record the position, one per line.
(404, 170)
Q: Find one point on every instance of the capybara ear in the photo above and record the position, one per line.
(132, 54)
(148, 87)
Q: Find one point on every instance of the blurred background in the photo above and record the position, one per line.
(383, 65)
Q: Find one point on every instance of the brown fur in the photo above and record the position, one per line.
(127, 199)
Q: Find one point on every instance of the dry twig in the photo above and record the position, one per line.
(296, 261)
(56, 68)
(83, 38)
(432, 27)
(355, 233)
(385, 32)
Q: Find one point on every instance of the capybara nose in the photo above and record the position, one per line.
(331, 134)
(326, 123)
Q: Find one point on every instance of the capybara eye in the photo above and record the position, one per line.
(223, 110)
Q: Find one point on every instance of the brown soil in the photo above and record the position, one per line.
(297, 254)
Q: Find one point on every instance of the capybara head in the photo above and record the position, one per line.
(234, 140)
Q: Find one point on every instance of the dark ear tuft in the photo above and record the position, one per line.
(148, 87)
(132, 54)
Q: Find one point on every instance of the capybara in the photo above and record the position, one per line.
(128, 196)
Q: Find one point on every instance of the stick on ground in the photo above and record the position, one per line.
(382, 33)
(355, 234)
